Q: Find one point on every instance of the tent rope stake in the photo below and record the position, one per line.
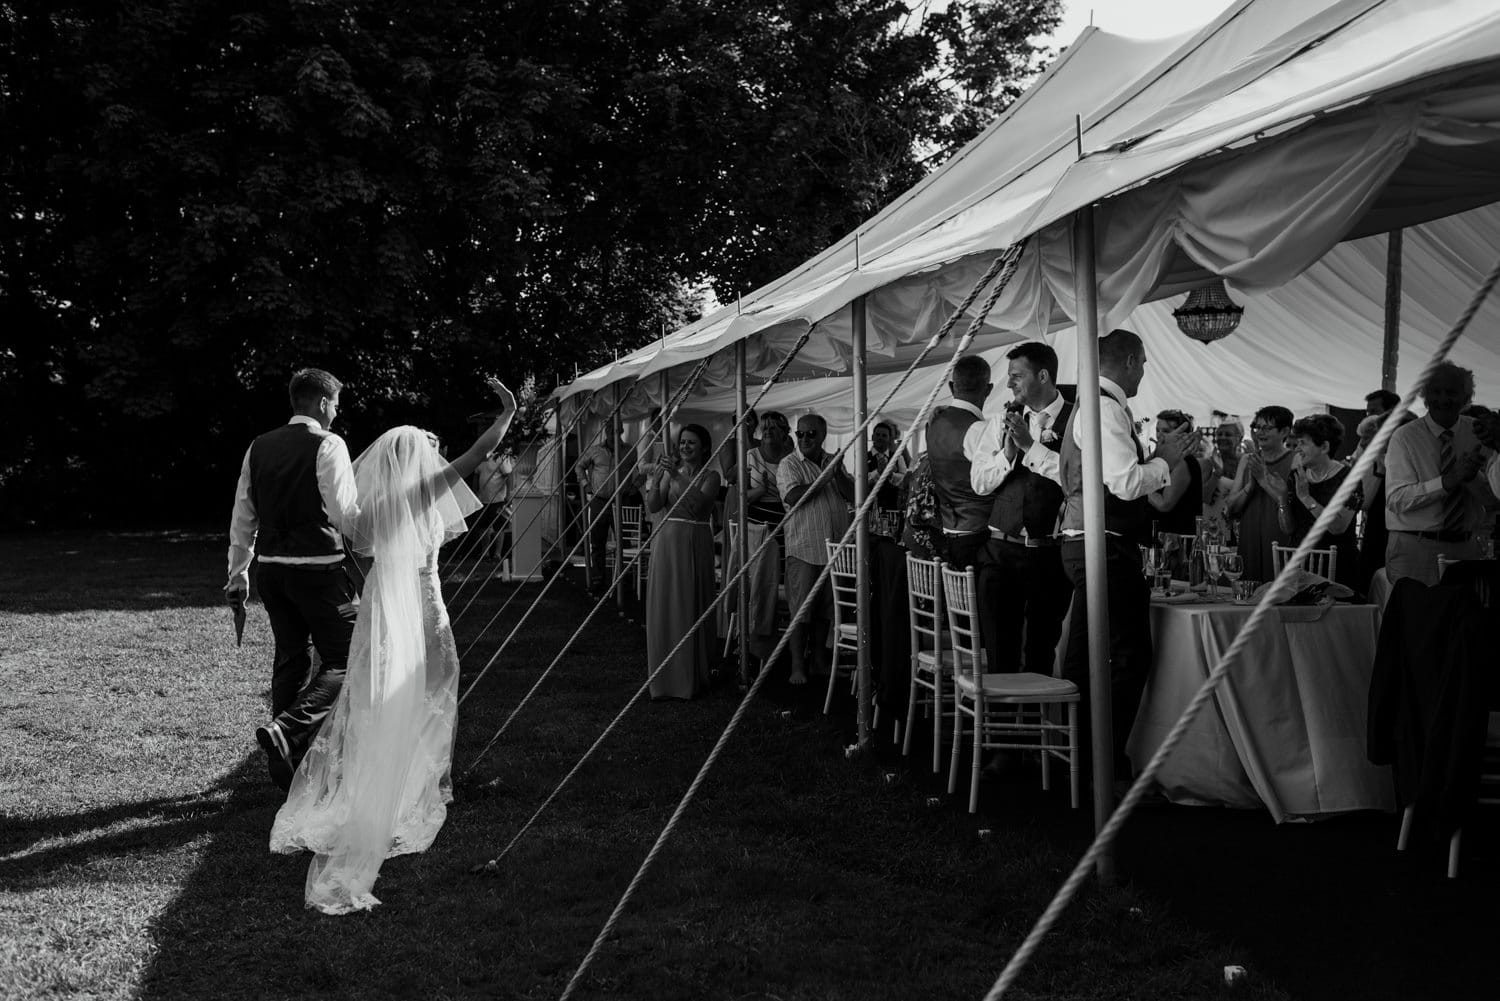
(677, 399)
(1279, 589)
(1005, 266)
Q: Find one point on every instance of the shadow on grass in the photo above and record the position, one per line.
(83, 571)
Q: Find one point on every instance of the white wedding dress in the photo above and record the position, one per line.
(376, 780)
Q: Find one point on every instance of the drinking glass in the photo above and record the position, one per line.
(1233, 567)
(1154, 566)
(1213, 566)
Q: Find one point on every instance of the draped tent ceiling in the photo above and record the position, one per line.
(1274, 147)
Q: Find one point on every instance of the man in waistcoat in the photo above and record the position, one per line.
(952, 437)
(1129, 475)
(1022, 590)
(295, 495)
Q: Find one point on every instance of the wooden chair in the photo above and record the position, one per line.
(845, 581)
(1323, 562)
(931, 661)
(1009, 710)
(635, 538)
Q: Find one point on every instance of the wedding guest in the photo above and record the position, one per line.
(1435, 493)
(492, 487)
(921, 525)
(1373, 534)
(882, 452)
(1129, 477)
(823, 518)
(682, 567)
(1219, 473)
(295, 495)
(377, 781)
(1180, 504)
(600, 475)
(1021, 588)
(952, 440)
(1315, 476)
(1380, 402)
(765, 510)
(729, 457)
(1260, 524)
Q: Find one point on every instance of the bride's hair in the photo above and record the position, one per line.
(409, 497)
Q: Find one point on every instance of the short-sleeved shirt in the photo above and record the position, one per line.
(822, 518)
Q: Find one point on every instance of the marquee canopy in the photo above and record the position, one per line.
(1271, 147)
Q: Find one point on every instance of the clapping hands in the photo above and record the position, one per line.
(1173, 445)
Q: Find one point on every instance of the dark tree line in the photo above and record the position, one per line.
(203, 195)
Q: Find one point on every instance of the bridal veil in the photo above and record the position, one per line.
(375, 781)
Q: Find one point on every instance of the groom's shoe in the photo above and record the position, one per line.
(273, 742)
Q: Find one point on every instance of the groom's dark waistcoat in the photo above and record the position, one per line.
(284, 490)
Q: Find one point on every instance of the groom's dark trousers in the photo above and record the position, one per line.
(303, 581)
(314, 604)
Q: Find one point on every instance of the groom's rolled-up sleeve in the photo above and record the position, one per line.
(243, 525)
(336, 483)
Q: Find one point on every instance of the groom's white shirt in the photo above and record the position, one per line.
(335, 484)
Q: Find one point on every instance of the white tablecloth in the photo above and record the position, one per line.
(1286, 729)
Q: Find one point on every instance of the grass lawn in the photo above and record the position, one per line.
(133, 859)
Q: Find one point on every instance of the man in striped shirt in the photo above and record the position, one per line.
(823, 518)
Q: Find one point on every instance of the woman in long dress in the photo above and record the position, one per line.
(682, 567)
(376, 780)
(1260, 525)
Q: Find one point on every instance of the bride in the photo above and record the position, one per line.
(375, 782)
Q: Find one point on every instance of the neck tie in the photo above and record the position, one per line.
(1453, 503)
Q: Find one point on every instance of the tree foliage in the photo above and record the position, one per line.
(203, 195)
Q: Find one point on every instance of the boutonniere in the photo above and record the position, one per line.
(1049, 437)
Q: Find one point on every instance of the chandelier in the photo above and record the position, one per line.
(1209, 313)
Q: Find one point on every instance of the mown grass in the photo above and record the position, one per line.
(133, 860)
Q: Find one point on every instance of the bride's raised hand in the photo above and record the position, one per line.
(507, 398)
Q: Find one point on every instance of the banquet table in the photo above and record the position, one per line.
(1286, 729)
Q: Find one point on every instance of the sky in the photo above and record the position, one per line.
(1137, 18)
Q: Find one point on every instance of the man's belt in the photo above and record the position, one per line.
(1437, 536)
(1023, 540)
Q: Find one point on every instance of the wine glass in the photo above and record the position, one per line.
(1154, 565)
(1213, 565)
(1232, 565)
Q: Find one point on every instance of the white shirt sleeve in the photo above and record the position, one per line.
(1492, 474)
(1125, 475)
(336, 483)
(1403, 491)
(1044, 462)
(243, 526)
(984, 447)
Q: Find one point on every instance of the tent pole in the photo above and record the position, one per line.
(666, 418)
(615, 428)
(1395, 240)
(583, 504)
(1085, 290)
(862, 530)
(741, 541)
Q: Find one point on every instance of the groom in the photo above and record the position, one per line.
(295, 494)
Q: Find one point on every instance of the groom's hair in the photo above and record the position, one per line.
(309, 385)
